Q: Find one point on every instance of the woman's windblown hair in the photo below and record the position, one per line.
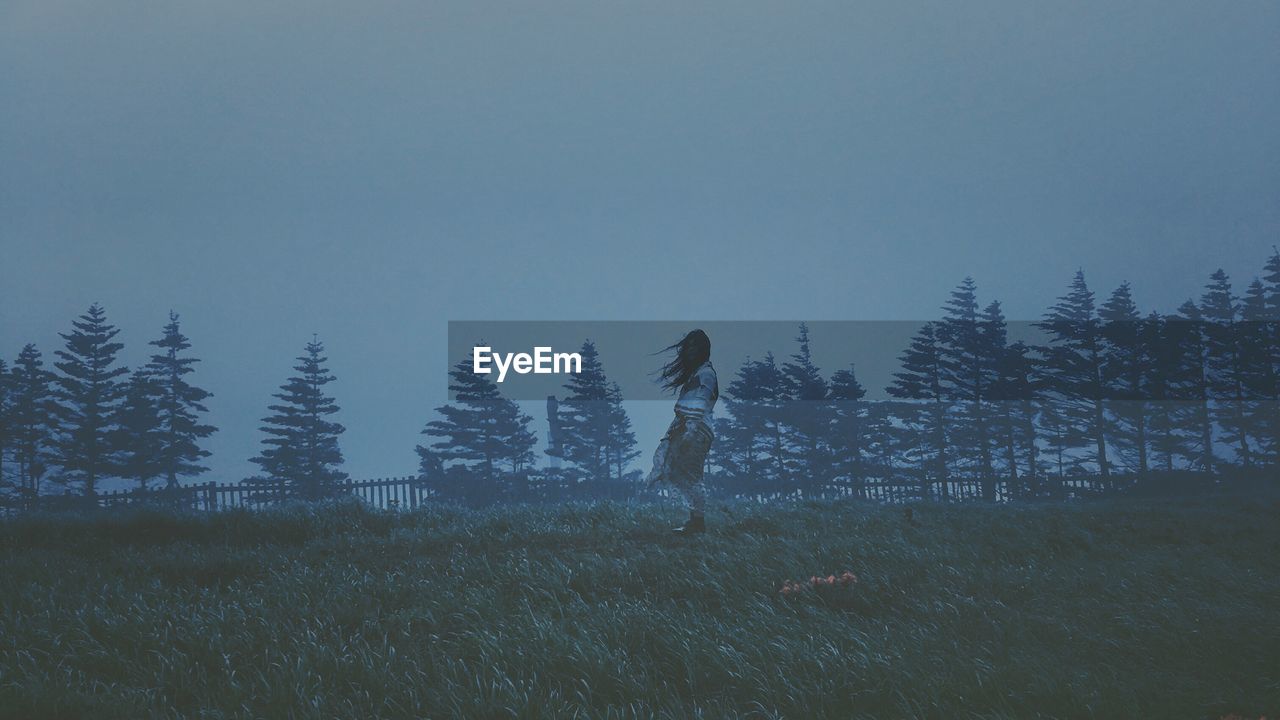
(692, 351)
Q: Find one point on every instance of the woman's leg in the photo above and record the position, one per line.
(689, 455)
(695, 494)
(662, 457)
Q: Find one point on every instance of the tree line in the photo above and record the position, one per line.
(483, 448)
(1110, 394)
(1106, 393)
(1107, 396)
(91, 419)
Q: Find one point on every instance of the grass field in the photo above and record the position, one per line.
(1125, 609)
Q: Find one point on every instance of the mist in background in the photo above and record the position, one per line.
(369, 172)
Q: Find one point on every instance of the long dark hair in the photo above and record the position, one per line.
(692, 351)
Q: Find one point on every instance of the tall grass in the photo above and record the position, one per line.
(1120, 609)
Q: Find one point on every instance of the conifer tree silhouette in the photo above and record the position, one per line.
(301, 445)
(32, 418)
(179, 405)
(480, 430)
(89, 394)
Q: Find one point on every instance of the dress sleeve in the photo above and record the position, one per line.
(698, 396)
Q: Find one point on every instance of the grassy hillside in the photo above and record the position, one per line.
(1153, 609)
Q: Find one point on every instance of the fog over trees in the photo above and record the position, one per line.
(1113, 397)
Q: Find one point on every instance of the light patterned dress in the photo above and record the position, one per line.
(682, 453)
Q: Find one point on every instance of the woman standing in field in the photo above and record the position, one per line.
(683, 450)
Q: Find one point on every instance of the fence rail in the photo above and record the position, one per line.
(412, 491)
(386, 493)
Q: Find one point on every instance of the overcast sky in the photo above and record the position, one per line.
(368, 171)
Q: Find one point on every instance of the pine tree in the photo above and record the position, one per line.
(137, 436)
(985, 366)
(179, 406)
(1224, 377)
(807, 418)
(6, 419)
(588, 420)
(749, 441)
(1168, 380)
(1271, 338)
(621, 448)
(920, 379)
(1271, 284)
(301, 448)
(972, 345)
(848, 429)
(969, 346)
(890, 447)
(480, 432)
(1061, 438)
(1187, 337)
(1015, 393)
(1258, 372)
(89, 391)
(32, 418)
(1125, 366)
(1073, 369)
(733, 454)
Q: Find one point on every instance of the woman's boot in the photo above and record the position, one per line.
(695, 525)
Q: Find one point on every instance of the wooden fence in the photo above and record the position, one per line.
(411, 492)
(386, 493)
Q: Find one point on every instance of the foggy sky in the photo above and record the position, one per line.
(369, 171)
